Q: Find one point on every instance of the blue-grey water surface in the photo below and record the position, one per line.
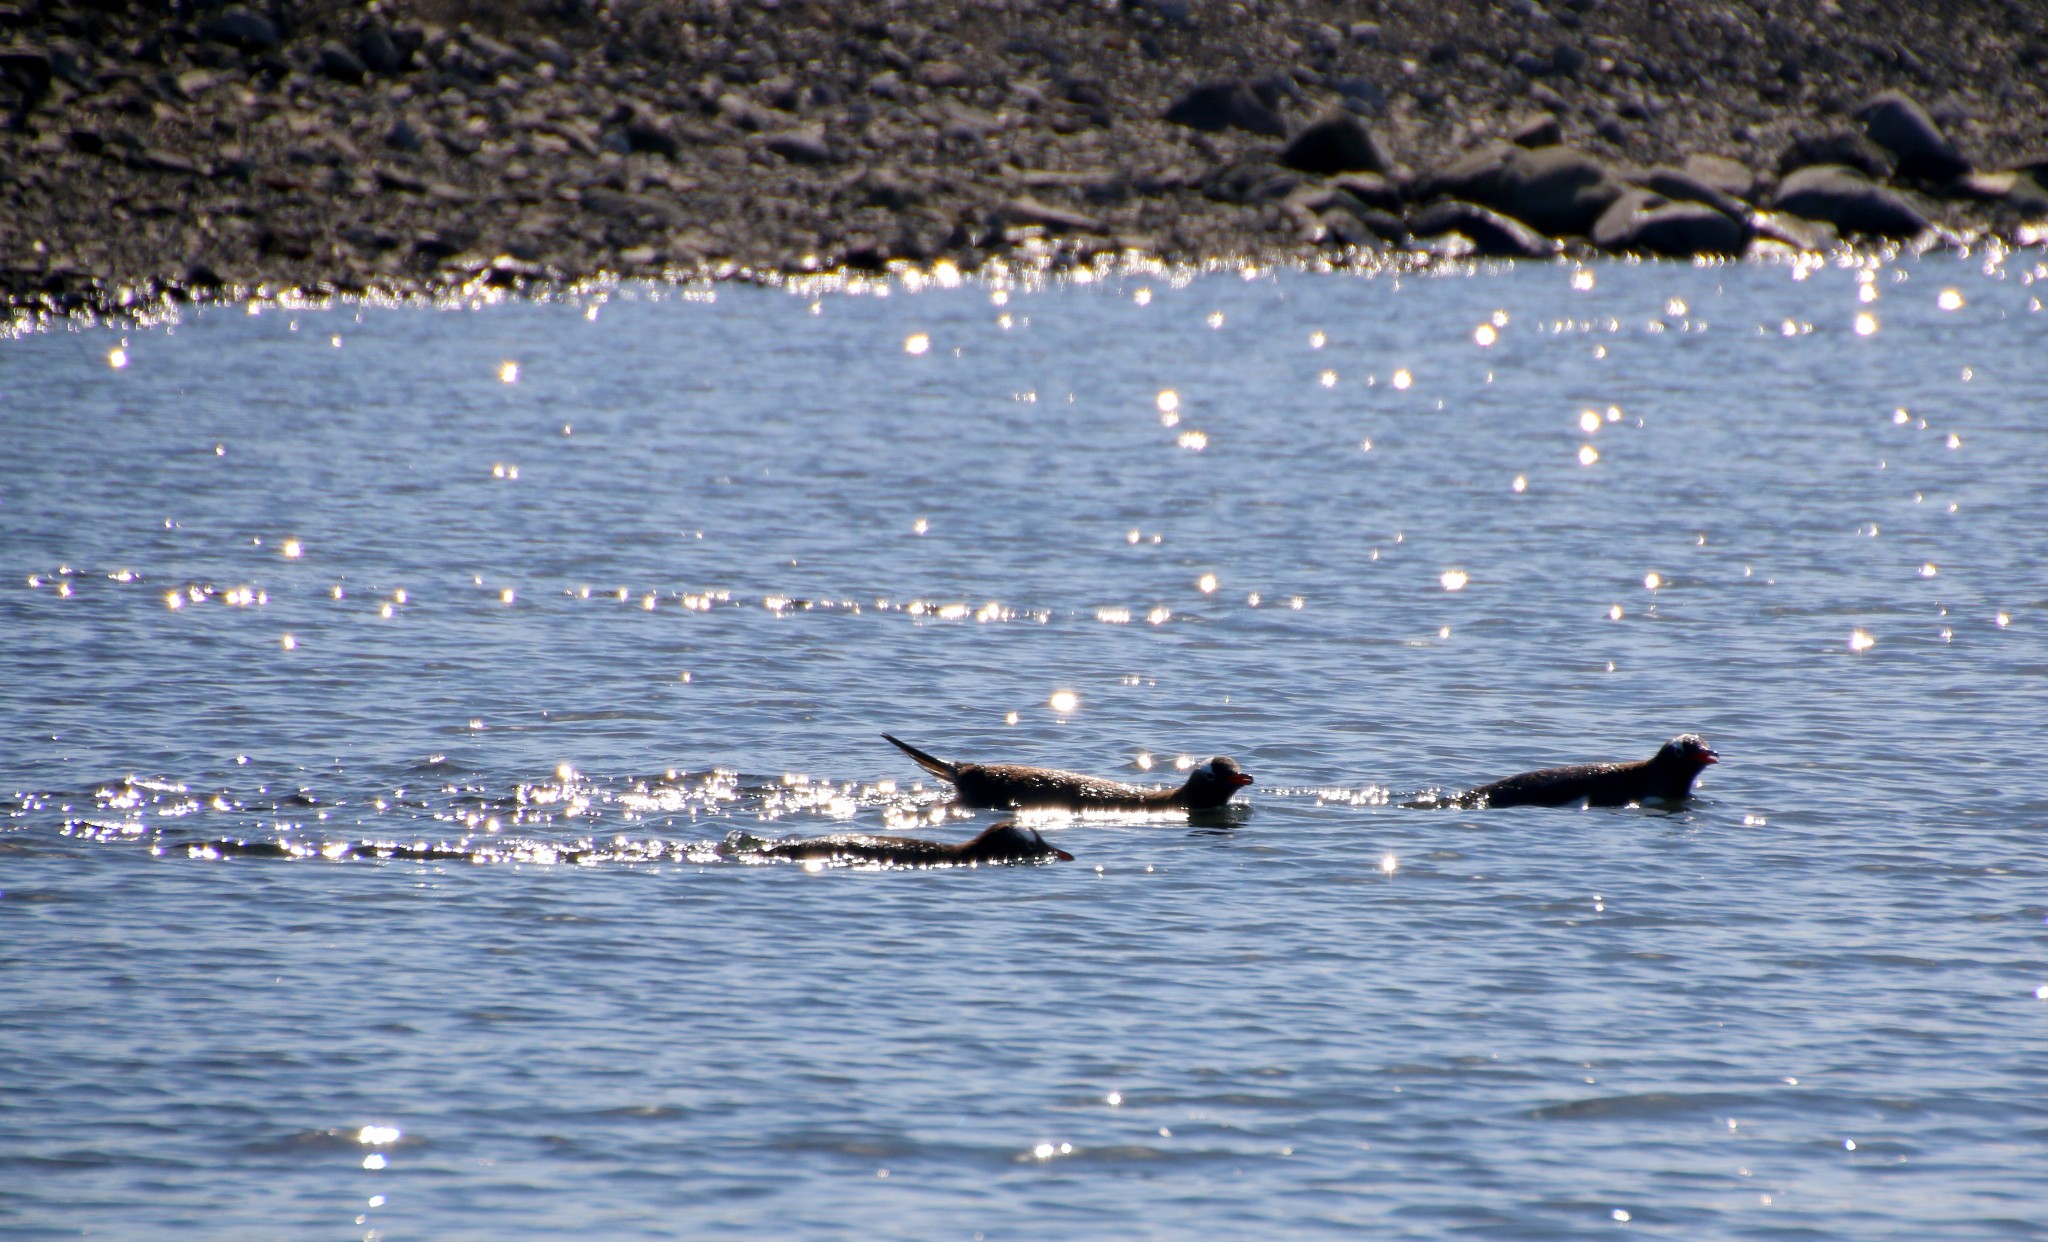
(566, 592)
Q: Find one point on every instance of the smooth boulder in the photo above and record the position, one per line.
(1336, 143)
(1848, 200)
(1473, 176)
(1681, 186)
(1642, 222)
(1556, 190)
(1731, 177)
(1491, 233)
(1215, 106)
(1895, 122)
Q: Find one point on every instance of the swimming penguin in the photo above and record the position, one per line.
(1006, 842)
(1666, 776)
(1016, 786)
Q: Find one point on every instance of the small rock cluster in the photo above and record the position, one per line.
(1530, 195)
(153, 148)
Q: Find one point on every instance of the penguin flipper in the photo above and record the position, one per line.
(931, 763)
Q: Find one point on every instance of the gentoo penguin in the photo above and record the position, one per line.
(1006, 842)
(1666, 776)
(1016, 786)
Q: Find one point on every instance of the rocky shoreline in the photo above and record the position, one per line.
(198, 148)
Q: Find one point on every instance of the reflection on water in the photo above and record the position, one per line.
(389, 691)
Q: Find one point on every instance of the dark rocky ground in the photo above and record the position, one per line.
(182, 147)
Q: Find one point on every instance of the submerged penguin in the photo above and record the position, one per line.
(1006, 842)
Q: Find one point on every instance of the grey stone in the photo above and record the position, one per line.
(379, 53)
(1641, 222)
(1849, 150)
(1849, 201)
(2021, 191)
(647, 133)
(1473, 176)
(1251, 181)
(1372, 189)
(1796, 232)
(1728, 176)
(242, 29)
(1345, 229)
(1337, 142)
(620, 205)
(1558, 190)
(1491, 233)
(1681, 186)
(1216, 106)
(339, 63)
(1895, 122)
(1027, 210)
(1539, 130)
(805, 145)
(944, 74)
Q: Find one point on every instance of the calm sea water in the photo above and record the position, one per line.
(544, 600)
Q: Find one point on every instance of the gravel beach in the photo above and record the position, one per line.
(195, 149)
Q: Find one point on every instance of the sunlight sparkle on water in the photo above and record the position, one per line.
(1866, 323)
(117, 357)
(1402, 379)
(1484, 335)
(1860, 641)
(1453, 579)
(1652, 580)
(1206, 583)
(1521, 484)
(292, 549)
(1193, 441)
(1588, 455)
(1589, 421)
(1582, 279)
(508, 372)
(1064, 701)
(917, 343)
(1950, 299)
(1389, 864)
